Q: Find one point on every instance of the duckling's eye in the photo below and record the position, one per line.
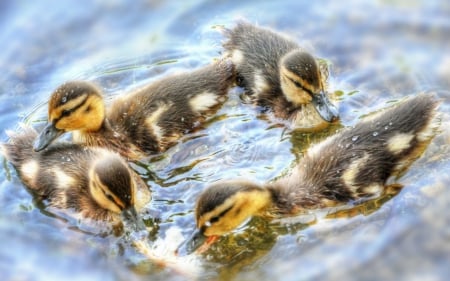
(300, 86)
(214, 219)
(65, 113)
(296, 83)
(109, 197)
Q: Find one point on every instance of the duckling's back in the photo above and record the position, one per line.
(45, 170)
(256, 52)
(58, 174)
(158, 115)
(357, 162)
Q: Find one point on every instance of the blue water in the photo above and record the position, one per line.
(381, 51)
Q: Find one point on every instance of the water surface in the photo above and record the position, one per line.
(381, 52)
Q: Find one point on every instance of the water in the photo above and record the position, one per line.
(381, 51)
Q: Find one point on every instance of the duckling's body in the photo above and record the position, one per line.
(280, 76)
(351, 165)
(93, 182)
(144, 122)
(357, 162)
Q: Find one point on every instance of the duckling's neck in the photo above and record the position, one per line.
(106, 136)
(306, 117)
(288, 199)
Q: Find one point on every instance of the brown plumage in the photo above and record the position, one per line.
(92, 182)
(280, 76)
(352, 165)
(146, 121)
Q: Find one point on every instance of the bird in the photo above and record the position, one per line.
(143, 122)
(92, 182)
(349, 167)
(279, 76)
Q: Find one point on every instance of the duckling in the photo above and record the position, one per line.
(146, 121)
(354, 164)
(93, 182)
(280, 76)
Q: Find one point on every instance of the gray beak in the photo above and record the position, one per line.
(131, 219)
(324, 107)
(46, 137)
(192, 243)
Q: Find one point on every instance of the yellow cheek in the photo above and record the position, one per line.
(293, 93)
(69, 123)
(104, 202)
(223, 227)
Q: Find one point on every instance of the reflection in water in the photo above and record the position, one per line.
(380, 51)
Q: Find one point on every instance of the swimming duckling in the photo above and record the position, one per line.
(146, 121)
(280, 76)
(93, 182)
(351, 165)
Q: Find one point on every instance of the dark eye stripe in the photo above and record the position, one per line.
(298, 85)
(217, 218)
(107, 195)
(68, 112)
(112, 199)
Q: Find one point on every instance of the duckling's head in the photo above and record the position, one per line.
(75, 105)
(222, 207)
(113, 188)
(302, 84)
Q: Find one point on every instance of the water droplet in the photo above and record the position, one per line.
(347, 145)
(390, 123)
(64, 99)
(375, 134)
(386, 127)
(355, 138)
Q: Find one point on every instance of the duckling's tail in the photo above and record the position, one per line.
(419, 119)
(417, 115)
(401, 132)
(20, 146)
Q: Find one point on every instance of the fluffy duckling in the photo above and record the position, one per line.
(146, 121)
(351, 165)
(280, 76)
(93, 182)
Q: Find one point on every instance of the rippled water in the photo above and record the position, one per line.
(381, 51)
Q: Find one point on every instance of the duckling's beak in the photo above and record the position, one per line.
(197, 242)
(132, 220)
(324, 107)
(49, 134)
(192, 243)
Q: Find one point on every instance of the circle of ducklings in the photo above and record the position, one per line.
(277, 75)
